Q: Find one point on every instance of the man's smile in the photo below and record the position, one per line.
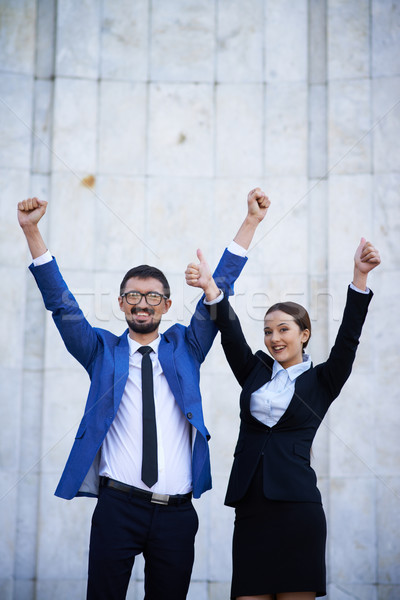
(142, 312)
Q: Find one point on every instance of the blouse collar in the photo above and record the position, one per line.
(293, 371)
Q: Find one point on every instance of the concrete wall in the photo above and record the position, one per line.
(144, 123)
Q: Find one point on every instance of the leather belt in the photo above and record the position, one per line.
(165, 499)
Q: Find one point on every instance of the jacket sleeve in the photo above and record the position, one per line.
(336, 370)
(78, 335)
(202, 330)
(237, 351)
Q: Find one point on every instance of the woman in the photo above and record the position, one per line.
(280, 528)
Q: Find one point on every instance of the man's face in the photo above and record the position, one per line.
(141, 317)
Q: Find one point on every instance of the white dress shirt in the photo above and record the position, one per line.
(121, 453)
(269, 402)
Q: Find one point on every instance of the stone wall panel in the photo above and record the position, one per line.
(286, 129)
(15, 120)
(352, 551)
(124, 40)
(122, 128)
(75, 126)
(182, 41)
(386, 124)
(349, 146)
(77, 50)
(181, 129)
(286, 28)
(239, 147)
(385, 38)
(388, 495)
(17, 36)
(348, 39)
(239, 50)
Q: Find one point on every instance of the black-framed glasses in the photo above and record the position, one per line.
(152, 298)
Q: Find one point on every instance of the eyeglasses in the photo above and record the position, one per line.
(152, 298)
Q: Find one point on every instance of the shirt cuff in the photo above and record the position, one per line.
(235, 248)
(356, 289)
(216, 300)
(42, 259)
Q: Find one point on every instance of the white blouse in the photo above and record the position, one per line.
(269, 402)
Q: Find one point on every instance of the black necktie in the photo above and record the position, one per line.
(149, 460)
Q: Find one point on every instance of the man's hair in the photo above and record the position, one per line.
(145, 272)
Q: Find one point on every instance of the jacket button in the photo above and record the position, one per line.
(189, 416)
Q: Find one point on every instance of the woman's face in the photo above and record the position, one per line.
(284, 339)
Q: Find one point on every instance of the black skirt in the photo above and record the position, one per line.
(277, 546)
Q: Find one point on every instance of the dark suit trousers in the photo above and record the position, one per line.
(125, 526)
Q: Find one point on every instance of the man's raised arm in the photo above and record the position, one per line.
(199, 275)
(78, 335)
(257, 207)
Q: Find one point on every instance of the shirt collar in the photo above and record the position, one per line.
(133, 345)
(294, 371)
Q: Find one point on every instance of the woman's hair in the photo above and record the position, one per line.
(298, 312)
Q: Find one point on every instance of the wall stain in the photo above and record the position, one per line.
(88, 181)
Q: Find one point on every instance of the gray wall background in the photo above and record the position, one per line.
(144, 123)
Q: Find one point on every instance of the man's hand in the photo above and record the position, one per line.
(30, 211)
(199, 275)
(366, 258)
(257, 204)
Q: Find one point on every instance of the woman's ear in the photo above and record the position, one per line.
(305, 335)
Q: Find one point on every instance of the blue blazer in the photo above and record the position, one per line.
(105, 357)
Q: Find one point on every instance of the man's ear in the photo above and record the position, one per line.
(167, 305)
(121, 303)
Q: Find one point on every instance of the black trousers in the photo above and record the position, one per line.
(123, 527)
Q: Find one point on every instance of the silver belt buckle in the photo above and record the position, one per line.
(159, 498)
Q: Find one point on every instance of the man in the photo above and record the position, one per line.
(142, 445)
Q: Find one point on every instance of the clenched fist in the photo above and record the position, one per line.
(30, 211)
(257, 203)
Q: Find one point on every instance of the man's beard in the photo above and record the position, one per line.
(143, 327)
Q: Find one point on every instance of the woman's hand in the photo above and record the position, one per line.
(366, 258)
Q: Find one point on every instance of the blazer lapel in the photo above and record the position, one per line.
(166, 358)
(297, 398)
(121, 369)
(262, 374)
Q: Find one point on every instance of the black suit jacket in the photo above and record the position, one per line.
(285, 447)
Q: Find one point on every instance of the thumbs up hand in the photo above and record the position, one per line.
(199, 275)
